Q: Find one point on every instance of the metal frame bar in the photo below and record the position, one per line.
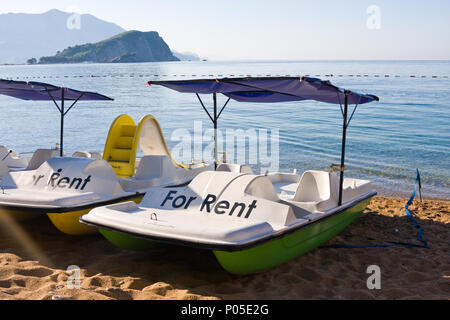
(53, 99)
(204, 108)
(215, 130)
(220, 113)
(61, 145)
(353, 113)
(215, 121)
(344, 140)
(7, 155)
(74, 103)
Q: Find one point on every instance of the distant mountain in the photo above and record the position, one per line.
(131, 46)
(25, 36)
(186, 56)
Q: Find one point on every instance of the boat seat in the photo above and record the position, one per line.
(96, 155)
(40, 157)
(260, 187)
(317, 190)
(153, 167)
(211, 182)
(86, 154)
(228, 167)
(81, 154)
(285, 184)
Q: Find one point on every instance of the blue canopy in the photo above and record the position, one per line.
(266, 90)
(38, 91)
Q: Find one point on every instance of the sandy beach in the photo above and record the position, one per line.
(34, 258)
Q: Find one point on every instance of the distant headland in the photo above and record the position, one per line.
(131, 46)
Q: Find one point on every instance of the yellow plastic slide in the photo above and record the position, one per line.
(124, 139)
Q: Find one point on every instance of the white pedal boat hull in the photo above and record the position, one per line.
(230, 213)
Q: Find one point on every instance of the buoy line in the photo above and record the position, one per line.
(133, 75)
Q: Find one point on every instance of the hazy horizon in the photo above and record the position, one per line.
(289, 30)
(269, 60)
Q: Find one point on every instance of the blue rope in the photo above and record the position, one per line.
(425, 245)
(416, 225)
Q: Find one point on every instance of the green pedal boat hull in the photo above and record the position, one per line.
(276, 252)
(128, 242)
(267, 255)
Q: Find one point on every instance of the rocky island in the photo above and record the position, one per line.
(131, 46)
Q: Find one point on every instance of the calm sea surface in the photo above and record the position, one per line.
(408, 129)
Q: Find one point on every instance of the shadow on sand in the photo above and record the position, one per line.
(183, 273)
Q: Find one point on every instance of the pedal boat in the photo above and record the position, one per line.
(67, 188)
(251, 223)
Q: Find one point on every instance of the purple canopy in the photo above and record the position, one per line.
(266, 90)
(272, 90)
(38, 91)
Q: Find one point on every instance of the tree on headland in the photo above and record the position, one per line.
(32, 61)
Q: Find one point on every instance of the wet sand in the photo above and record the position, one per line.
(34, 258)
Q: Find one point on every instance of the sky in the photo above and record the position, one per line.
(278, 30)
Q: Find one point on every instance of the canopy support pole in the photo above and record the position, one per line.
(215, 121)
(215, 130)
(63, 114)
(344, 140)
(61, 144)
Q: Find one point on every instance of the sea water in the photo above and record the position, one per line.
(409, 128)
